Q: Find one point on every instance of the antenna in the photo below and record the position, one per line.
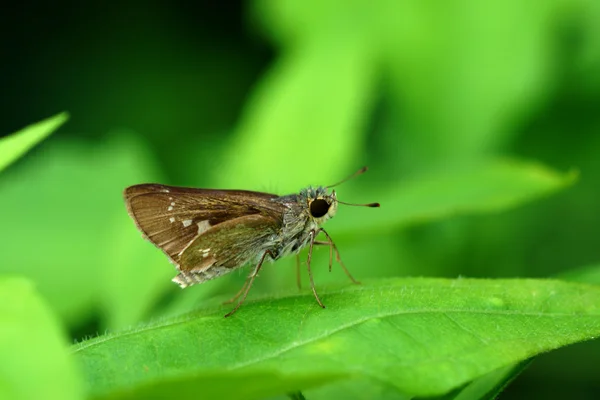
(359, 172)
(360, 205)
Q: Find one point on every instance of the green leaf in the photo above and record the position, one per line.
(493, 186)
(35, 361)
(220, 385)
(489, 386)
(87, 253)
(14, 146)
(422, 336)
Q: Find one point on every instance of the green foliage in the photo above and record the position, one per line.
(478, 122)
(94, 253)
(421, 336)
(35, 363)
(14, 146)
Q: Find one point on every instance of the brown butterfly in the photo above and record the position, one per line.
(208, 233)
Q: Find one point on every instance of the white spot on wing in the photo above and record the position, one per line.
(205, 252)
(187, 223)
(171, 219)
(203, 226)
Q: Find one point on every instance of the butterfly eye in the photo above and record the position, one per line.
(318, 208)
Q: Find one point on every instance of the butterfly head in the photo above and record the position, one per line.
(319, 204)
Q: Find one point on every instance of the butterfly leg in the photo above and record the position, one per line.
(298, 279)
(337, 257)
(312, 282)
(249, 282)
(319, 242)
(239, 293)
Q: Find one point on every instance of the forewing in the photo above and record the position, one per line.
(172, 217)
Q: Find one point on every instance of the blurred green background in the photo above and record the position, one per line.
(276, 95)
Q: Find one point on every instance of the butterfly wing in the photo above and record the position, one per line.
(226, 247)
(173, 217)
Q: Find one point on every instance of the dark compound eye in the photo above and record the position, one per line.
(318, 208)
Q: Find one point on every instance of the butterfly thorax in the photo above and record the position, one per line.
(304, 212)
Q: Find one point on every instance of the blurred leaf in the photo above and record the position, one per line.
(14, 146)
(132, 274)
(589, 61)
(72, 235)
(489, 187)
(135, 275)
(589, 274)
(459, 73)
(356, 388)
(465, 73)
(423, 336)
(306, 118)
(223, 385)
(489, 386)
(35, 362)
